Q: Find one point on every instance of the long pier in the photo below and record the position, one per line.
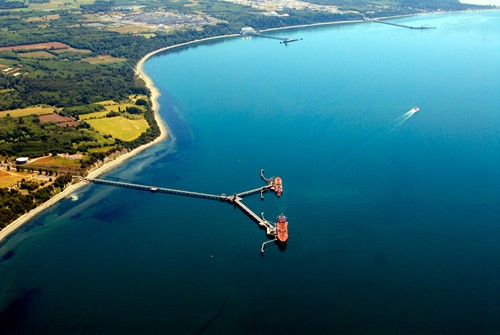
(402, 25)
(284, 40)
(234, 199)
(254, 32)
(157, 189)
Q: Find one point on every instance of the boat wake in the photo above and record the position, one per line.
(403, 118)
(371, 140)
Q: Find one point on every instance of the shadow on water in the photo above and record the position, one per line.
(14, 313)
(210, 321)
(8, 255)
(179, 128)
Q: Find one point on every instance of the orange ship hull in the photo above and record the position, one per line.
(282, 229)
(278, 186)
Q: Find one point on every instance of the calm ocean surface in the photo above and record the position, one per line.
(394, 219)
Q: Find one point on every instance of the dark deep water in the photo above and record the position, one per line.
(394, 219)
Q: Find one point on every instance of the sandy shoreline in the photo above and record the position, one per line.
(155, 94)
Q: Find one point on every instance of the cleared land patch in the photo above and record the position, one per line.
(44, 18)
(58, 4)
(103, 149)
(73, 50)
(27, 111)
(8, 179)
(37, 46)
(56, 161)
(36, 54)
(103, 60)
(106, 102)
(118, 107)
(61, 121)
(134, 98)
(96, 115)
(132, 29)
(120, 127)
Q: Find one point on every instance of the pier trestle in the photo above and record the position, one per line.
(235, 199)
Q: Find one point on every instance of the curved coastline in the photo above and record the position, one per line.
(155, 94)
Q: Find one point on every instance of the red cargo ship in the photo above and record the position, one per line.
(282, 229)
(278, 186)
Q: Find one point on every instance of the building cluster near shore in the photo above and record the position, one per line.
(159, 20)
(274, 6)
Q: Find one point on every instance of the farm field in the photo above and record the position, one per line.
(119, 127)
(132, 29)
(95, 115)
(55, 161)
(10, 178)
(103, 60)
(27, 111)
(116, 107)
(61, 121)
(59, 4)
(37, 46)
(103, 149)
(37, 54)
(79, 51)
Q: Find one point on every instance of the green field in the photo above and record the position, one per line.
(103, 60)
(103, 149)
(115, 107)
(120, 127)
(55, 161)
(27, 111)
(37, 54)
(96, 115)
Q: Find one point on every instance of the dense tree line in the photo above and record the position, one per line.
(397, 7)
(12, 4)
(14, 203)
(80, 110)
(62, 85)
(25, 136)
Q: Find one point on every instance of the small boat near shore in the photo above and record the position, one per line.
(73, 197)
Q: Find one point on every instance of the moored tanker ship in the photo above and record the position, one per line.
(278, 186)
(282, 229)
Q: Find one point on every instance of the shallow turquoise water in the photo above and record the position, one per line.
(394, 222)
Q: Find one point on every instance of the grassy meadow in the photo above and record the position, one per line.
(119, 127)
(37, 110)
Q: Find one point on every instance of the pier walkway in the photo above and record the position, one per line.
(234, 199)
(254, 32)
(157, 189)
(270, 229)
(402, 25)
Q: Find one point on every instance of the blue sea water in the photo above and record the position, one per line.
(394, 218)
